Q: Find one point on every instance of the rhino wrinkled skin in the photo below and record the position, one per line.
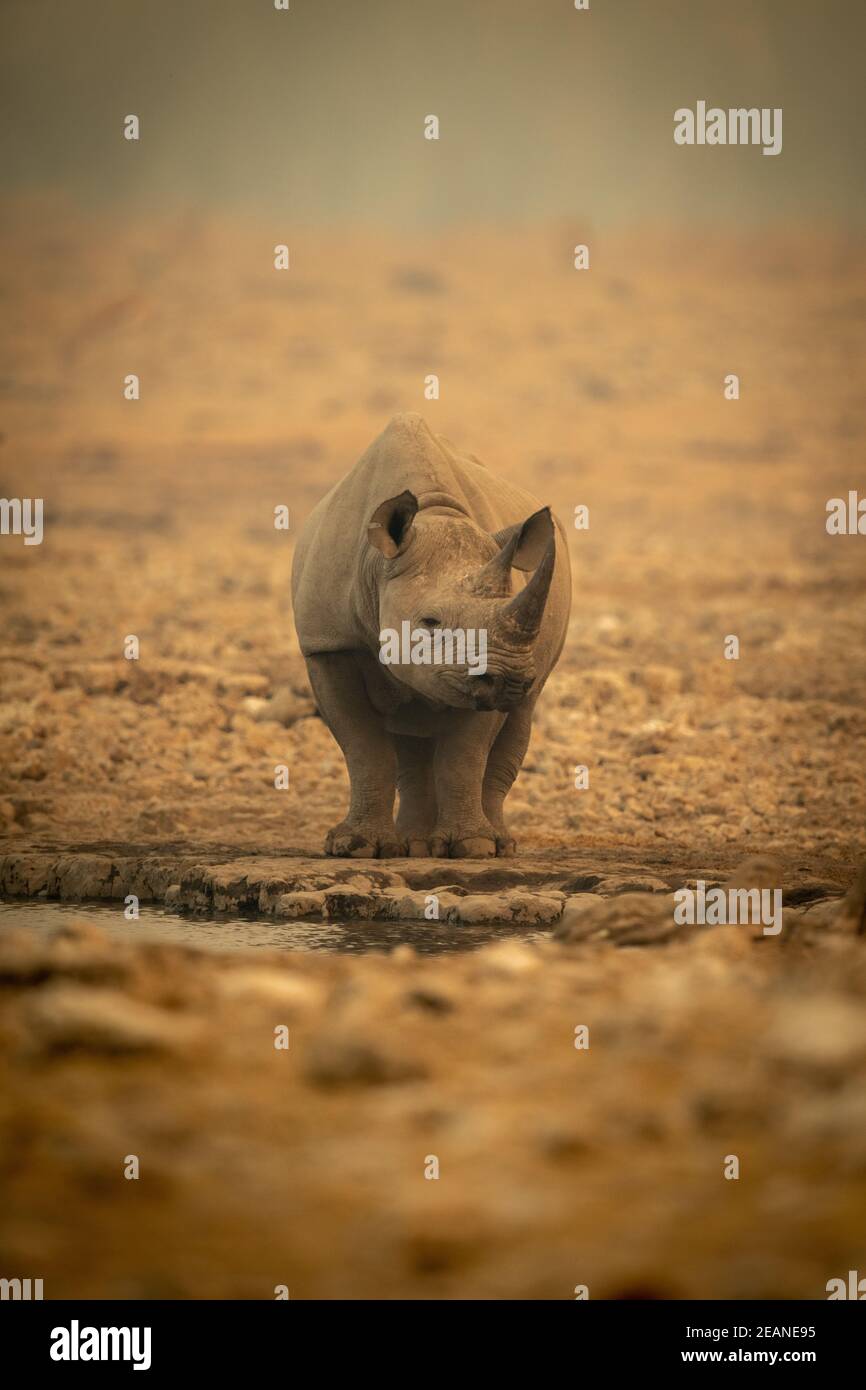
(421, 533)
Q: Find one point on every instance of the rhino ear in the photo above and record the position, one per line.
(524, 546)
(391, 526)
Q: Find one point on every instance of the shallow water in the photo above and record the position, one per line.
(230, 933)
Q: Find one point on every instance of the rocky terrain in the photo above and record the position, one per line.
(514, 1123)
(558, 1166)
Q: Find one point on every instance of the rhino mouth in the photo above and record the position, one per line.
(490, 692)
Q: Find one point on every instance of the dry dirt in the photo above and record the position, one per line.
(707, 518)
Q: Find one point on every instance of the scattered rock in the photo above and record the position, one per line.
(809, 891)
(759, 871)
(349, 904)
(581, 883)
(631, 883)
(79, 952)
(286, 707)
(65, 1018)
(332, 1060)
(629, 919)
(579, 918)
(508, 958)
(852, 912)
(404, 954)
(529, 909)
(828, 1032)
(431, 999)
(301, 904)
(272, 985)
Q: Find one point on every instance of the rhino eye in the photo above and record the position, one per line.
(431, 622)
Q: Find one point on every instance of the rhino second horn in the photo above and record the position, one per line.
(494, 579)
(524, 613)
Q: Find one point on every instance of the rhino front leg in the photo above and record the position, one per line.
(504, 763)
(416, 817)
(341, 694)
(462, 830)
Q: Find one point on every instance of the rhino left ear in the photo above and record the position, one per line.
(391, 526)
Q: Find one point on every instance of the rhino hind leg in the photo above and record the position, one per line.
(368, 830)
(503, 764)
(416, 817)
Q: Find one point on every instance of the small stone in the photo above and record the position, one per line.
(809, 891)
(342, 904)
(431, 1000)
(273, 985)
(561, 1143)
(819, 914)
(508, 958)
(631, 883)
(581, 883)
(66, 1018)
(404, 954)
(580, 917)
(824, 1032)
(851, 916)
(301, 904)
(630, 919)
(529, 909)
(332, 1060)
(759, 871)
(254, 706)
(79, 951)
(286, 707)
(650, 739)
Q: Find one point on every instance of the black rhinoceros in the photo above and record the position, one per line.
(420, 541)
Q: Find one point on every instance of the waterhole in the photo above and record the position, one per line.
(233, 933)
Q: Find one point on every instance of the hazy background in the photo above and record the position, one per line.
(410, 257)
(316, 114)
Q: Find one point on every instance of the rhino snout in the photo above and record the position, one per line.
(498, 692)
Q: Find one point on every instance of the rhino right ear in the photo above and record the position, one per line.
(521, 547)
(391, 526)
(525, 545)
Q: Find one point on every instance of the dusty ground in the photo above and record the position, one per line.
(706, 519)
(557, 1166)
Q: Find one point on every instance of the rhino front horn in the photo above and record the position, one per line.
(524, 613)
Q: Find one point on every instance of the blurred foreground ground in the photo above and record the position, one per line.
(706, 519)
(556, 1166)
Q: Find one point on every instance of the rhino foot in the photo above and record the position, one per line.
(360, 841)
(476, 843)
(419, 847)
(473, 847)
